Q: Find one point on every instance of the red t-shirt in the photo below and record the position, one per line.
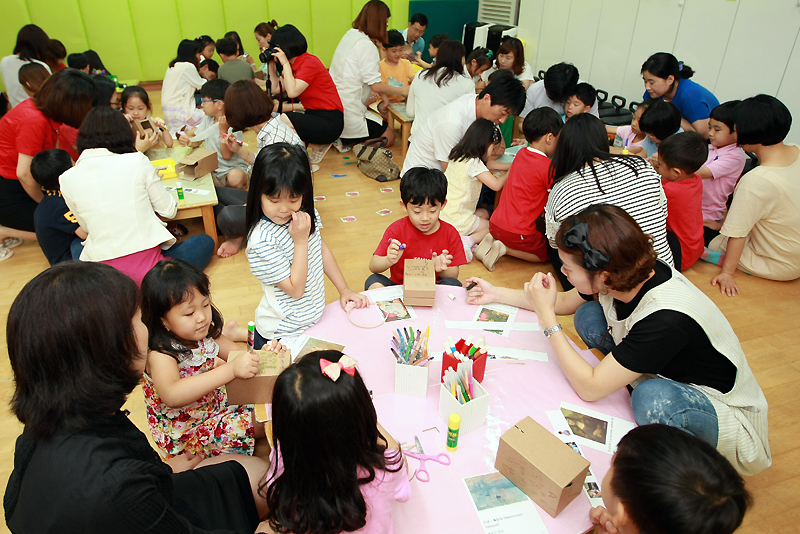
(685, 216)
(24, 130)
(525, 193)
(421, 246)
(321, 92)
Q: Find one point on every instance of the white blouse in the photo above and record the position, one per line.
(354, 68)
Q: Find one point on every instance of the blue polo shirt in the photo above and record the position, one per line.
(693, 100)
(418, 46)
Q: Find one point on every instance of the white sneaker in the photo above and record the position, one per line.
(314, 168)
(340, 147)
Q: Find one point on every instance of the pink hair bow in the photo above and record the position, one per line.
(334, 369)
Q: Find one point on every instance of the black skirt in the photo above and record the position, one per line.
(318, 126)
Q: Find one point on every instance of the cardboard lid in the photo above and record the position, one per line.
(550, 455)
(196, 156)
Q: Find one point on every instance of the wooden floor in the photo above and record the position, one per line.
(766, 317)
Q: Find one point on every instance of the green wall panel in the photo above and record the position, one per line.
(242, 16)
(298, 13)
(61, 20)
(158, 33)
(330, 22)
(201, 17)
(106, 35)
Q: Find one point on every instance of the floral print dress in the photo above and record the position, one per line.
(206, 427)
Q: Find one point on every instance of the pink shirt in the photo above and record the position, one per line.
(626, 133)
(726, 164)
(379, 494)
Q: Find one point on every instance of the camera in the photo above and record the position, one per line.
(267, 55)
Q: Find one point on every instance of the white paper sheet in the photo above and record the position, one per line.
(391, 305)
(303, 344)
(590, 428)
(502, 507)
(518, 354)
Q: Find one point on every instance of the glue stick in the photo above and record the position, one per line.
(251, 335)
(179, 187)
(453, 424)
(625, 149)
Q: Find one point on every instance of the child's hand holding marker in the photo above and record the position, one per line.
(395, 251)
(442, 261)
(246, 365)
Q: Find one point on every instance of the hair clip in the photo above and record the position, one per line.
(497, 135)
(578, 236)
(333, 369)
(489, 54)
(680, 65)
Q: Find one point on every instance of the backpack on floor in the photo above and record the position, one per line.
(376, 161)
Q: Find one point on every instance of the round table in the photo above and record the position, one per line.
(516, 388)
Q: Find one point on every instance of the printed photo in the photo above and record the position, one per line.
(592, 489)
(393, 310)
(493, 490)
(586, 426)
(574, 447)
(493, 316)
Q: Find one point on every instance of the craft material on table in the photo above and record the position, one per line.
(502, 507)
(419, 282)
(590, 428)
(516, 389)
(390, 303)
(496, 313)
(191, 190)
(303, 344)
(421, 472)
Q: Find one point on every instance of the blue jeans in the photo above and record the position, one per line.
(591, 325)
(196, 250)
(385, 281)
(76, 247)
(675, 404)
(259, 341)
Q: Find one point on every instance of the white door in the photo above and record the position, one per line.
(613, 44)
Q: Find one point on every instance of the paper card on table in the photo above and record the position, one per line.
(502, 507)
(490, 327)
(387, 190)
(496, 313)
(349, 218)
(518, 354)
(384, 211)
(303, 344)
(352, 193)
(591, 486)
(590, 428)
(390, 302)
(191, 190)
(319, 198)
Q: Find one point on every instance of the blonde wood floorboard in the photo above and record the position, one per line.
(766, 317)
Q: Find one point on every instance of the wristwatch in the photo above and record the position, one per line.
(552, 330)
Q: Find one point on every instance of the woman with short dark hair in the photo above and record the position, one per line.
(74, 367)
(115, 194)
(303, 76)
(31, 47)
(665, 337)
(32, 126)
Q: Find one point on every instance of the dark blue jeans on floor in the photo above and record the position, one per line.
(196, 250)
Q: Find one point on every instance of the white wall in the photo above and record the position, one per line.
(737, 48)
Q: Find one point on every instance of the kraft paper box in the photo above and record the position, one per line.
(541, 465)
(258, 390)
(144, 127)
(197, 164)
(419, 282)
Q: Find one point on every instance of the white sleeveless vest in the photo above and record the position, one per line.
(742, 412)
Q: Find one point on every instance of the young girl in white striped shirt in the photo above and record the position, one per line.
(284, 246)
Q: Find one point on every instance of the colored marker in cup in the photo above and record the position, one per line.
(179, 188)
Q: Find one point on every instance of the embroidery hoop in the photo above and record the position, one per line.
(350, 306)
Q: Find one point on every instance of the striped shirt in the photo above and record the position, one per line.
(270, 251)
(276, 131)
(638, 193)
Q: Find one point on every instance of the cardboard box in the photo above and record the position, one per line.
(258, 390)
(419, 282)
(541, 465)
(410, 380)
(144, 127)
(473, 414)
(197, 164)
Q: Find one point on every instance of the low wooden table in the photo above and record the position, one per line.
(195, 204)
(397, 112)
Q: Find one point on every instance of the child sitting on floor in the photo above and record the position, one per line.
(233, 169)
(187, 405)
(466, 173)
(136, 106)
(681, 155)
(512, 228)
(629, 137)
(580, 100)
(396, 71)
(209, 69)
(761, 233)
(56, 226)
(419, 235)
(660, 120)
(723, 168)
(334, 468)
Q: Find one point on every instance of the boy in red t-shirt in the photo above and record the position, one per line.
(512, 228)
(420, 235)
(680, 156)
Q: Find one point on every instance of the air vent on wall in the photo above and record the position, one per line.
(499, 11)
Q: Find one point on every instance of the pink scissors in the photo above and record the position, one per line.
(420, 455)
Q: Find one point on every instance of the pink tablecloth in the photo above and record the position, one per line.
(517, 389)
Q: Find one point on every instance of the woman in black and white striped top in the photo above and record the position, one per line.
(586, 173)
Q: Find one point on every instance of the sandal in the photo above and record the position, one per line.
(317, 155)
(5, 253)
(11, 242)
(314, 168)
